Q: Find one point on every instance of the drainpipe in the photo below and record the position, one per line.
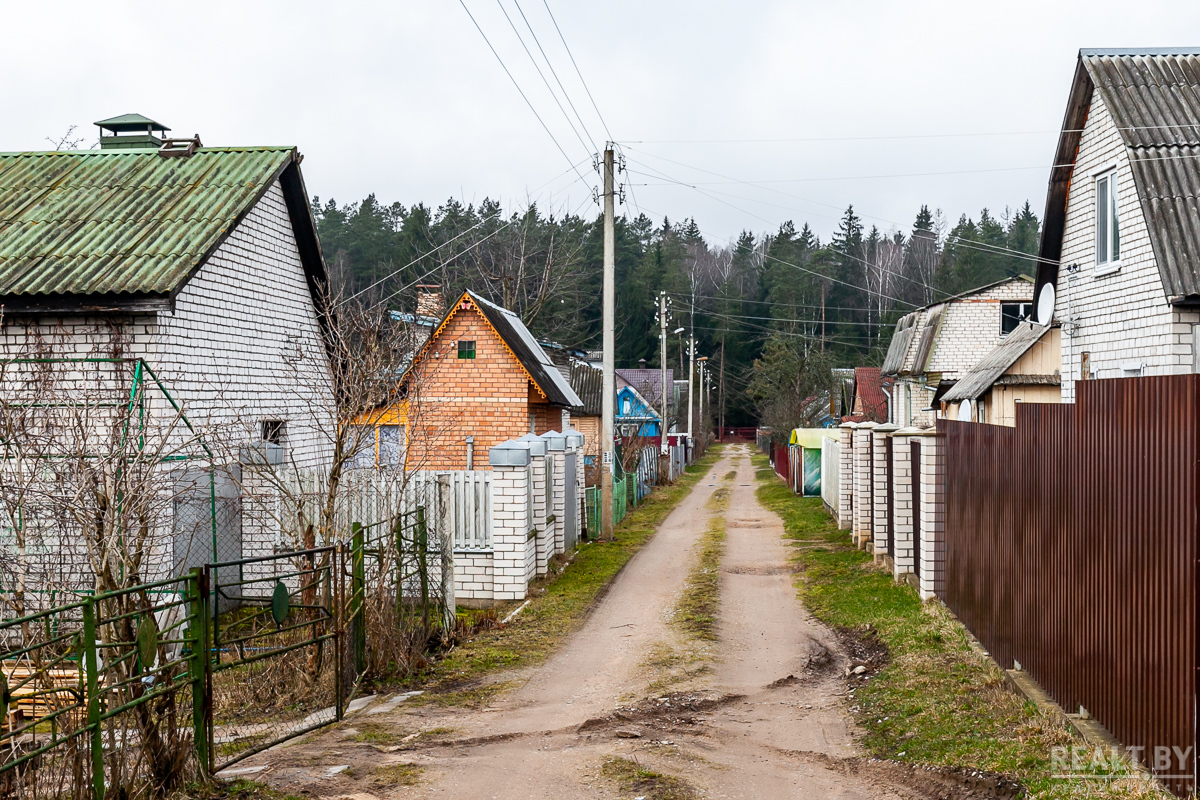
(470, 452)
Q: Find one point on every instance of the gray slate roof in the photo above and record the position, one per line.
(1153, 96)
(980, 377)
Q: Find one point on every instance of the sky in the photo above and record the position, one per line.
(741, 115)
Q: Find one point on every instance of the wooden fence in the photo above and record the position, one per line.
(1071, 549)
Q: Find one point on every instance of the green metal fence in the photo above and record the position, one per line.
(100, 695)
(591, 499)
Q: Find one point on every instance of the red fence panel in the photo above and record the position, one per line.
(1071, 547)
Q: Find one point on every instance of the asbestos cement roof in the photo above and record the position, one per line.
(124, 222)
(988, 370)
(587, 382)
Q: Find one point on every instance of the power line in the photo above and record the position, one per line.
(553, 72)
(902, 136)
(518, 86)
(532, 60)
(801, 321)
(577, 72)
(764, 302)
(1014, 253)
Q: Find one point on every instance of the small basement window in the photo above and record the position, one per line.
(466, 349)
(274, 430)
(1011, 315)
(1108, 229)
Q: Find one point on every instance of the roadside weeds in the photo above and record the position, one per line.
(928, 697)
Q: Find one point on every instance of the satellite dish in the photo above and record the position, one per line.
(1045, 304)
(964, 411)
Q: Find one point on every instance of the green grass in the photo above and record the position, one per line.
(238, 789)
(938, 701)
(558, 605)
(696, 612)
(632, 779)
(397, 775)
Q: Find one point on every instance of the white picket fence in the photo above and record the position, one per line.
(469, 511)
(460, 501)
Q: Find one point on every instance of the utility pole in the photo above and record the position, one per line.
(662, 368)
(608, 381)
(691, 369)
(700, 421)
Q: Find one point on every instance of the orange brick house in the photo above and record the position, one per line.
(480, 379)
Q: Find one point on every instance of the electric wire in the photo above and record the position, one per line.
(554, 72)
(520, 91)
(571, 55)
(542, 75)
(902, 136)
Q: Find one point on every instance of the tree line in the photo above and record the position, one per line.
(774, 311)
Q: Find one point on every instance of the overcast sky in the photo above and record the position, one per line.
(886, 105)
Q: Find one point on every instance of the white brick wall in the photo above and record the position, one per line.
(902, 498)
(1121, 317)
(879, 525)
(971, 328)
(863, 492)
(933, 517)
(846, 477)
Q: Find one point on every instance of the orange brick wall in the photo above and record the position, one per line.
(488, 397)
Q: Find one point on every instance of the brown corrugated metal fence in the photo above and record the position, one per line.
(1071, 547)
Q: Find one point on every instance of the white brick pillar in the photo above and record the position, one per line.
(880, 435)
(575, 443)
(933, 517)
(513, 554)
(902, 499)
(542, 514)
(556, 446)
(845, 508)
(864, 496)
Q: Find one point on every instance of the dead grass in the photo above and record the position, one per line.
(696, 611)
(632, 779)
(397, 775)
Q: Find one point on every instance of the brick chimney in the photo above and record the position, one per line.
(429, 301)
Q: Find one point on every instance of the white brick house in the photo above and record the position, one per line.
(201, 262)
(1121, 243)
(934, 346)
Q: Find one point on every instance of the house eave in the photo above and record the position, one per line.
(36, 305)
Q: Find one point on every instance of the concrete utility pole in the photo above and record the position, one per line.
(700, 421)
(608, 382)
(691, 369)
(662, 368)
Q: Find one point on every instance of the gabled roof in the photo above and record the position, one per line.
(648, 382)
(119, 228)
(643, 405)
(512, 332)
(869, 386)
(1153, 96)
(984, 374)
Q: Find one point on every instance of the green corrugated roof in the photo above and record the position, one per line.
(121, 221)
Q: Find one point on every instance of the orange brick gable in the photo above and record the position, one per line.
(489, 397)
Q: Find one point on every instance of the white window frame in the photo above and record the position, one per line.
(1108, 176)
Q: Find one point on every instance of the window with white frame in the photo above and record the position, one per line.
(1108, 229)
(1011, 315)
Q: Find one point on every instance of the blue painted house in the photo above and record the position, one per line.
(635, 416)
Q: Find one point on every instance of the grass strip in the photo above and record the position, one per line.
(696, 611)
(559, 603)
(631, 778)
(938, 701)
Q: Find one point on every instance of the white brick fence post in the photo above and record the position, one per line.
(575, 442)
(514, 556)
(864, 496)
(543, 526)
(556, 446)
(933, 516)
(845, 509)
(880, 435)
(902, 500)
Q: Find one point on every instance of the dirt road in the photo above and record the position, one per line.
(757, 714)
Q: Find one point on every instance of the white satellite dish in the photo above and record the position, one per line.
(1045, 304)
(964, 411)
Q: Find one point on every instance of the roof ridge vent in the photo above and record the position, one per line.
(179, 148)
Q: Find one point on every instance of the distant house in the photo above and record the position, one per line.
(586, 381)
(1024, 369)
(934, 346)
(1120, 252)
(648, 384)
(480, 379)
(636, 417)
(871, 390)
